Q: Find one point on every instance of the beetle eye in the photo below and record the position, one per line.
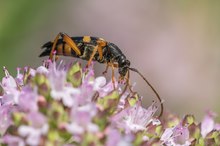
(123, 62)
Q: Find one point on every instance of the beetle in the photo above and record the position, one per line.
(94, 49)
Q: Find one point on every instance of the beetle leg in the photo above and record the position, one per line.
(113, 76)
(107, 66)
(67, 40)
(53, 47)
(115, 65)
(127, 84)
(101, 43)
(70, 42)
(127, 78)
(106, 70)
(92, 56)
(100, 52)
(112, 65)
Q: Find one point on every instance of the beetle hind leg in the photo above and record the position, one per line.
(65, 38)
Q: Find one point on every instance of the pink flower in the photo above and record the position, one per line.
(8, 82)
(42, 70)
(60, 90)
(33, 135)
(115, 138)
(105, 89)
(20, 77)
(5, 117)
(208, 123)
(27, 100)
(81, 120)
(37, 128)
(11, 140)
(134, 118)
(10, 87)
(62, 104)
(176, 136)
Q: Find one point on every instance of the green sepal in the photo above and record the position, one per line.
(74, 75)
(188, 120)
(133, 100)
(18, 118)
(90, 139)
(139, 138)
(53, 136)
(109, 102)
(57, 112)
(42, 82)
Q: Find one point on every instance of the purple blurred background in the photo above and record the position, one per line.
(175, 44)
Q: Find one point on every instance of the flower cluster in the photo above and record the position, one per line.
(63, 104)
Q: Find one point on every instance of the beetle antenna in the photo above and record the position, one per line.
(135, 70)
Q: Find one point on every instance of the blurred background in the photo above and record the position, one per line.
(175, 44)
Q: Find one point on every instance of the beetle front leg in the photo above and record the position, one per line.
(106, 70)
(113, 77)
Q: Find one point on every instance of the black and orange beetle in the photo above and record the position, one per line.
(94, 49)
